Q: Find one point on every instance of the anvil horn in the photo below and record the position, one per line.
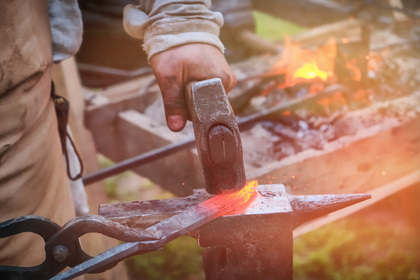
(309, 207)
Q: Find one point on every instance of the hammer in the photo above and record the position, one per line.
(217, 136)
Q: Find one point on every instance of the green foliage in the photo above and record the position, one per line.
(179, 259)
(274, 28)
(355, 249)
(111, 184)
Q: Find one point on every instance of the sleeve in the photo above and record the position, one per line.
(66, 28)
(163, 24)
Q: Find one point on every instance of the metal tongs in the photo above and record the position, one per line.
(62, 247)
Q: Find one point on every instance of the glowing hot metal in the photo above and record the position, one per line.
(234, 203)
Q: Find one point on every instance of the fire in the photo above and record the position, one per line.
(304, 65)
(237, 201)
(300, 65)
(311, 71)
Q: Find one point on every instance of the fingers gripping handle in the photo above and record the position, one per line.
(217, 136)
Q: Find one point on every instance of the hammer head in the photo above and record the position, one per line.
(217, 136)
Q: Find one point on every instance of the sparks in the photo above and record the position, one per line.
(246, 193)
(240, 200)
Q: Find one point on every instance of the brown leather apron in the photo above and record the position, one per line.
(32, 173)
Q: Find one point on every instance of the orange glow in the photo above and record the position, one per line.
(345, 40)
(302, 65)
(245, 194)
(310, 71)
(316, 87)
(234, 203)
(356, 71)
(324, 101)
(362, 95)
(336, 99)
(266, 91)
(299, 65)
(359, 95)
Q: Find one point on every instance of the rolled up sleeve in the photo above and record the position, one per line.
(166, 24)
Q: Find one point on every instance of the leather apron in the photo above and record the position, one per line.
(33, 180)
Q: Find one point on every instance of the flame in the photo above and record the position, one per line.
(300, 65)
(310, 71)
(303, 65)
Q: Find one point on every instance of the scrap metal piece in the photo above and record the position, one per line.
(217, 136)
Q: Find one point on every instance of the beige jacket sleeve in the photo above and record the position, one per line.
(164, 24)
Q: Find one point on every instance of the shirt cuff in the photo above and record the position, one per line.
(168, 30)
(159, 38)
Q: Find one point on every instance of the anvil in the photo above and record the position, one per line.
(254, 244)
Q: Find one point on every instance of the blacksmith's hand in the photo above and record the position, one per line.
(175, 67)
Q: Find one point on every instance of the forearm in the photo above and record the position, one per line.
(182, 41)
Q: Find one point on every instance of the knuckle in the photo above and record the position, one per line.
(228, 80)
(174, 104)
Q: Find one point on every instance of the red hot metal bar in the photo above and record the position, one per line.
(256, 244)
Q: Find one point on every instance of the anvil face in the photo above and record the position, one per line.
(271, 202)
(269, 213)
